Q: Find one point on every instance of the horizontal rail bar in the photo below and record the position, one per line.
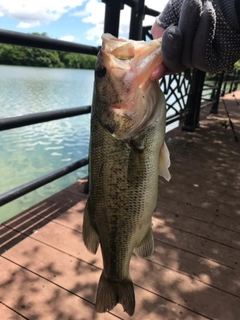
(130, 3)
(25, 188)
(209, 86)
(209, 103)
(33, 118)
(231, 81)
(30, 40)
(151, 12)
(177, 118)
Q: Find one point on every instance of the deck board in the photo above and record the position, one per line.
(194, 273)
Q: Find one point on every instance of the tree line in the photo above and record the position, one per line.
(26, 56)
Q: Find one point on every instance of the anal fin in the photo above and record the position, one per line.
(146, 246)
(90, 236)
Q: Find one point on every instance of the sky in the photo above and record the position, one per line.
(79, 21)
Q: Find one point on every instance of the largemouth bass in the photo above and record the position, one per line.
(127, 153)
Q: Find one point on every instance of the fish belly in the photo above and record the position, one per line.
(123, 181)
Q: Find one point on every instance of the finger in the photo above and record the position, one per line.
(159, 72)
(188, 21)
(170, 14)
(202, 45)
(157, 31)
(171, 49)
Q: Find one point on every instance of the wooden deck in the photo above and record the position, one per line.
(47, 273)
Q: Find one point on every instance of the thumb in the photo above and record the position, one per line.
(172, 49)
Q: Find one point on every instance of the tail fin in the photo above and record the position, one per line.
(111, 292)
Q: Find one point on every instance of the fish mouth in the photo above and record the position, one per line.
(131, 100)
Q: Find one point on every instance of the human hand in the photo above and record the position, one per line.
(161, 70)
(198, 34)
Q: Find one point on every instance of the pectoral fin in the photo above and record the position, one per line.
(164, 162)
(146, 246)
(90, 236)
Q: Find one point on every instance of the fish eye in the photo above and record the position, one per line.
(100, 72)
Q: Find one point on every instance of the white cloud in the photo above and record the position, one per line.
(67, 38)
(33, 13)
(156, 5)
(82, 13)
(94, 13)
(95, 34)
(27, 25)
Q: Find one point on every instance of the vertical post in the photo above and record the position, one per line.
(194, 101)
(112, 16)
(233, 75)
(137, 16)
(237, 80)
(224, 85)
(214, 108)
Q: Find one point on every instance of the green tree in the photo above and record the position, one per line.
(26, 56)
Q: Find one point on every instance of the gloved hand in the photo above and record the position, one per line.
(199, 34)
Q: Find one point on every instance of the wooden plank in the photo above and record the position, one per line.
(197, 267)
(194, 253)
(171, 206)
(81, 279)
(199, 264)
(202, 229)
(182, 289)
(203, 247)
(37, 298)
(197, 198)
(185, 241)
(8, 314)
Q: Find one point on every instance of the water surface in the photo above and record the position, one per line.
(29, 152)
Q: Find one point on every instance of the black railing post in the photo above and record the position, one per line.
(237, 80)
(224, 85)
(137, 16)
(112, 16)
(233, 78)
(214, 108)
(194, 101)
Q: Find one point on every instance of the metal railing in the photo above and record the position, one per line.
(111, 24)
(183, 92)
(21, 39)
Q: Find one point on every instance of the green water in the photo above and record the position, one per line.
(29, 152)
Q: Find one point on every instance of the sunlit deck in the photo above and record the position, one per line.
(47, 273)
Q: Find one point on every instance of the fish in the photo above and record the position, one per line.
(127, 152)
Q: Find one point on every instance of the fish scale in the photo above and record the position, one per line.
(124, 163)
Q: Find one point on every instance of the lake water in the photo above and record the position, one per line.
(30, 152)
